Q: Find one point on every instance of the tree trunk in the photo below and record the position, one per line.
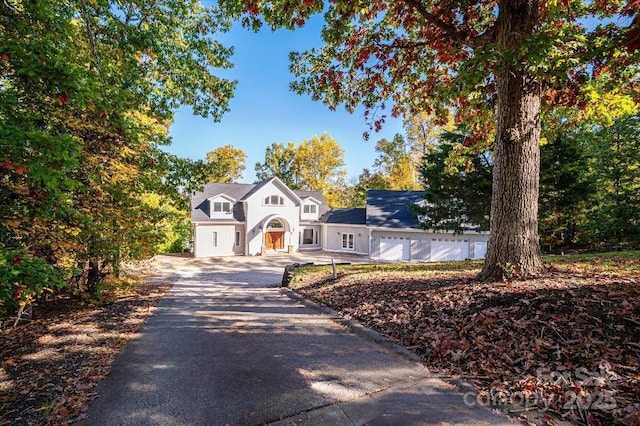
(514, 243)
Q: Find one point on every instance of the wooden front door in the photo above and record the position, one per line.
(274, 240)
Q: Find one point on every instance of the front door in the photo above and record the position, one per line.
(274, 240)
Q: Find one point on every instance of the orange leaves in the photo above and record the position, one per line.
(63, 99)
(11, 166)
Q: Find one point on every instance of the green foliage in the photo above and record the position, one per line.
(280, 162)
(456, 197)
(616, 169)
(23, 279)
(568, 191)
(225, 164)
(87, 92)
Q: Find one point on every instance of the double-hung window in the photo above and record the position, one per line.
(221, 207)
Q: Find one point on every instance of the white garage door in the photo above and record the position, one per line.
(442, 250)
(394, 249)
(479, 250)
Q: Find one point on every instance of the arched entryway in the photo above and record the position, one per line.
(274, 234)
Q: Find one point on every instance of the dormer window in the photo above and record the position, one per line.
(310, 208)
(274, 200)
(221, 207)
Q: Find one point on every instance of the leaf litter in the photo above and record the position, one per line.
(565, 346)
(50, 366)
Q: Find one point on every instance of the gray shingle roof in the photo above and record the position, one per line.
(200, 206)
(351, 216)
(391, 209)
(239, 191)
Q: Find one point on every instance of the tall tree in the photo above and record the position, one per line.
(456, 196)
(423, 131)
(396, 163)
(568, 189)
(617, 172)
(225, 164)
(280, 162)
(320, 163)
(495, 63)
(87, 91)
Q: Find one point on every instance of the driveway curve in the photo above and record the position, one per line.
(226, 347)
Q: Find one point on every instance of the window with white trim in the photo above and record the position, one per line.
(348, 241)
(221, 207)
(237, 242)
(307, 236)
(310, 208)
(215, 239)
(275, 224)
(274, 200)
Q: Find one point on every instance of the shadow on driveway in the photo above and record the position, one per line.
(225, 348)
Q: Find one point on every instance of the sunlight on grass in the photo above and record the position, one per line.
(619, 262)
(623, 262)
(375, 271)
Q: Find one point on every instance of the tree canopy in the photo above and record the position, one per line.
(316, 164)
(87, 92)
(225, 164)
(494, 64)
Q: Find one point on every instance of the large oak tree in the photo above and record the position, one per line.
(496, 64)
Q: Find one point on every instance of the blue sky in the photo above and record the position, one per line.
(264, 110)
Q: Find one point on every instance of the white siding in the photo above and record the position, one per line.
(334, 237)
(214, 240)
(256, 213)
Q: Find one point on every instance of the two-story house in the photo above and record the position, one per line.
(251, 219)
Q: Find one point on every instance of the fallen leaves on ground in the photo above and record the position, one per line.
(50, 366)
(566, 345)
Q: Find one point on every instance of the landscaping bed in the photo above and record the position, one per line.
(50, 365)
(561, 347)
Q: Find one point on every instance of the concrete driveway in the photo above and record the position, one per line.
(227, 347)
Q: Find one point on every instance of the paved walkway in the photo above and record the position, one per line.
(227, 347)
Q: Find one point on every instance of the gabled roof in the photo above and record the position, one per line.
(350, 216)
(200, 200)
(316, 195)
(242, 191)
(392, 209)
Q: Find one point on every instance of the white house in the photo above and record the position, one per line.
(250, 219)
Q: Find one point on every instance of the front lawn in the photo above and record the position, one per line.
(563, 346)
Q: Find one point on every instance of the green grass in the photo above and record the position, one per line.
(621, 262)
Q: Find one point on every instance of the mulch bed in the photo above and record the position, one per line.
(562, 347)
(50, 365)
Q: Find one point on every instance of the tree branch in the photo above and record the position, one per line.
(461, 37)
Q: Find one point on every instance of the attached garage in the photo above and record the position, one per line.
(449, 249)
(394, 249)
